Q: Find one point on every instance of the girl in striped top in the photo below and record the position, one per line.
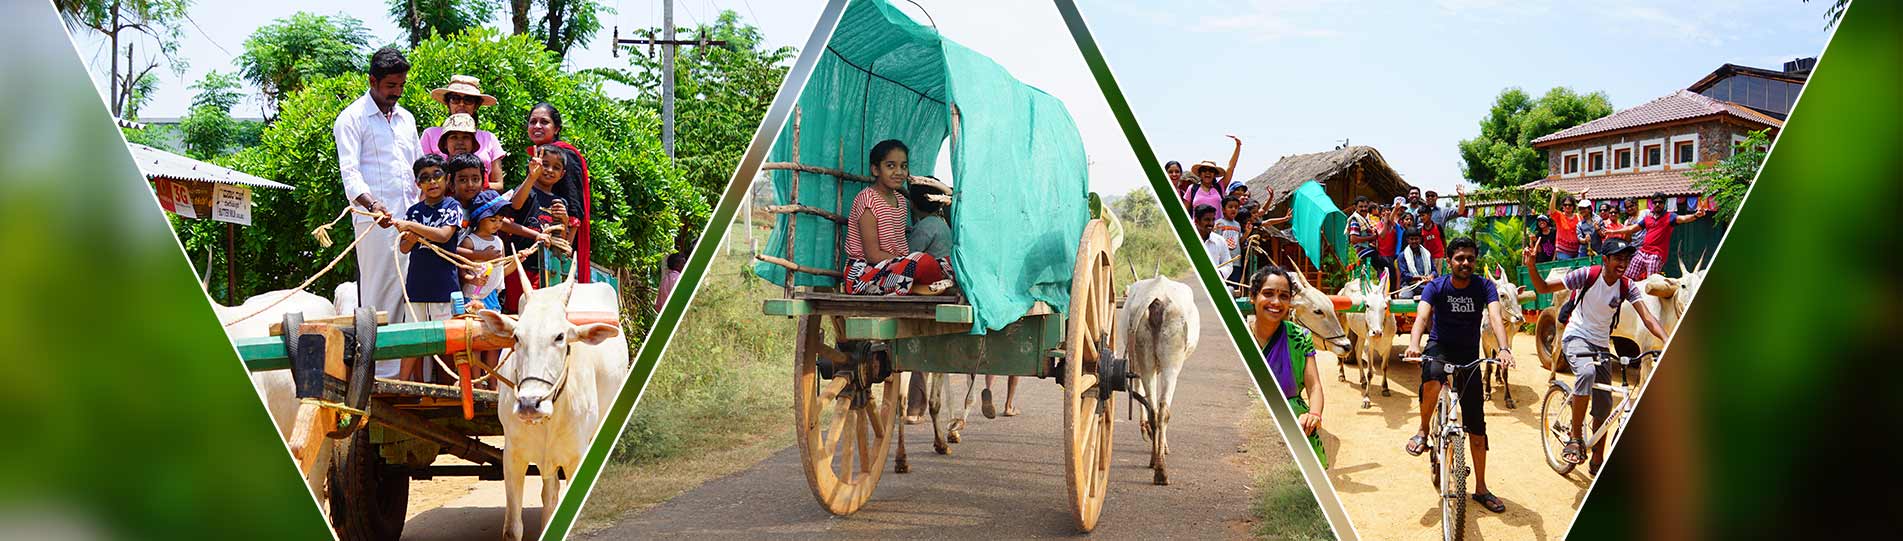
(879, 261)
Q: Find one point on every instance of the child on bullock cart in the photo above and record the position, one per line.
(430, 278)
(879, 258)
(544, 212)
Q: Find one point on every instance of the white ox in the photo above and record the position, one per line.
(275, 387)
(1666, 298)
(1513, 317)
(1157, 327)
(565, 376)
(1372, 330)
(1315, 311)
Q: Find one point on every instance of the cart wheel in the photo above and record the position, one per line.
(367, 500)
(842, 446)
(1546, 334)
(1087, 420)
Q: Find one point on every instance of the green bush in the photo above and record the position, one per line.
(640, 201)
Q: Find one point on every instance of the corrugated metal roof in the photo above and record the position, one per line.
(157, 164)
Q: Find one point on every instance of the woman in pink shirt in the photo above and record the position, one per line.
(464, 95)
(1211, 182)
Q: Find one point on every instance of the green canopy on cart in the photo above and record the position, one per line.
(1020, 185)
(1316, 218)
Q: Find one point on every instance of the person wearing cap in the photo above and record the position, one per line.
(1565, 219)
(1598, 292)
(1657, 240)
(463, 96)
(1543, 237)
(1210, 183)
(483, 237)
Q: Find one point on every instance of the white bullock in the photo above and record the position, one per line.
(275, 387)
(1513, 317)
(1158, 326)
(565, 376)
(1315, 311)
(1372, 329)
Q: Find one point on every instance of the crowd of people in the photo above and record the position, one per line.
(441, 193)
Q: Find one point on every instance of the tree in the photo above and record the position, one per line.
(1727, 181)
(1503, 153)
(419, 19)
(209, 130)
(566, 24)
(281, 57)
(158, 20)
(720, 95)
(639, 200)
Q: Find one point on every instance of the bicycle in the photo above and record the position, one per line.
(1556, 409)
(1447, 456)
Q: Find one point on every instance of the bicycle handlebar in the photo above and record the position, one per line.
(1475, 362)
(1601, 357)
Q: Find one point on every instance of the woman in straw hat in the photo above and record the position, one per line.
(463, 95)
(1211, 182)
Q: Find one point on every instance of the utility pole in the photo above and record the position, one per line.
(668, 45)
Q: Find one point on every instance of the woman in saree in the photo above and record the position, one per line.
(1289, 351)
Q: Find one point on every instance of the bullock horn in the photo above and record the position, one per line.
(1681, 268)
(519, 275)
(1133, 270)
(1527, 296)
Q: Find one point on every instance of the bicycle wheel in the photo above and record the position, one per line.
(1556, 421)
(1453, 502)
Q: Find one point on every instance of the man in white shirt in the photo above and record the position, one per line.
(1599, 292)
(1214, 245)
(376, 148)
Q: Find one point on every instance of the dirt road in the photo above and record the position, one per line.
(1387, 492)
(467, 508)
(1006, 479)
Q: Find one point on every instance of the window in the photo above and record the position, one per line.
(1684, 150)
(1572, 165)
(1569, 163)
(1622, 159)
(1596, 162)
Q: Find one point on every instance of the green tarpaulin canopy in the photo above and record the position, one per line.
(1020, 186)
(1317, 218)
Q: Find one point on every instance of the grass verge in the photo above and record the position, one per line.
(1280, 500)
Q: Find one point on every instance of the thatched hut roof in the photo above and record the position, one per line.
(1345, 172)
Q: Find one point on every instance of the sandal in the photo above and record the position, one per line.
(1417, 444)
(1575, 451)
(1491, 502)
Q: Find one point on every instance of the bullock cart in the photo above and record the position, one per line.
(1031, 252)
(385, 432)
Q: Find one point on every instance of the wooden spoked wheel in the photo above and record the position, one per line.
(843, 446)
(1087, 419)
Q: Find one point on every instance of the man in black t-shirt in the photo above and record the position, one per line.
(1453, 304)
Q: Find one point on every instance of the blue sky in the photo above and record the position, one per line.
(1410, 78)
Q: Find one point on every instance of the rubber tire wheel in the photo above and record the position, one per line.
(1555, 406)
(367, 500)
(1454, 508)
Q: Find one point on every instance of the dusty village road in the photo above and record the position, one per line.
(466, 508)
(1387, 492)
(1006, 478)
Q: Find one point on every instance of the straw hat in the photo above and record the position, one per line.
(1197, 169)
(458, 123)
(930, 189)
(465, 85)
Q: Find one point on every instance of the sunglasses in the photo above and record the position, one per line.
(431, 178)
(454, 98)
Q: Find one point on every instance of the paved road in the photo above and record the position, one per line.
(466, 508)
(1006, 479)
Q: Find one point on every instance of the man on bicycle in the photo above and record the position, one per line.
(1598, 292)
(1453, 303)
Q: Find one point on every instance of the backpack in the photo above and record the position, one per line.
(1592, 277)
